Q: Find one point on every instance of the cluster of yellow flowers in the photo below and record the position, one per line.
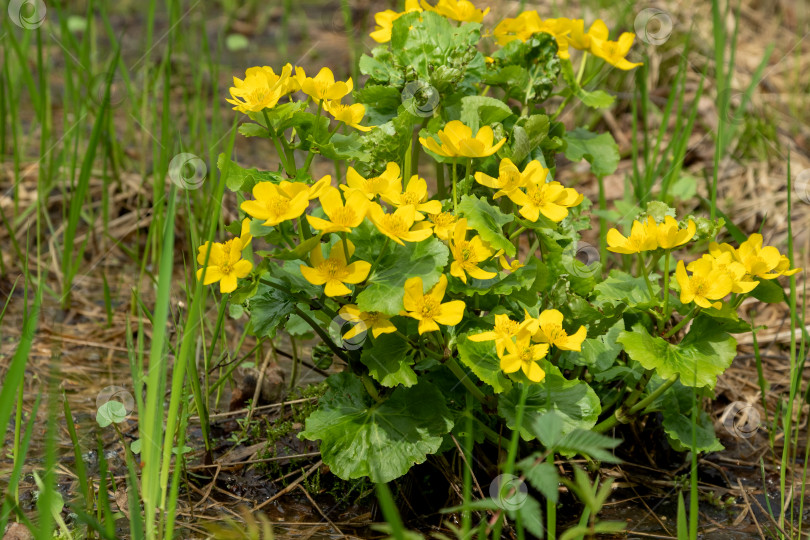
(722, 271)
(520, 345)
(457, 10)
(530, 191)
(726, 270)
(262, 89)
(569, 33)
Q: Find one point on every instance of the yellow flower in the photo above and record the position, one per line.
(342, 217)
(510, 179)
(291, 189)
(521, 27)
(522, 354)
(273, 205)
(705, 285)
(468, 254)
(458, 10)
(504, 330)
(457, 141)
(374, 186)
(225, 262)
(550, 199)
(398, 226)
(443, 225)
(377, 322)
(351, 115)
(643, 237)
(510, 266)
(670, 236)
(261, 89)
(552, 332)
(427, 308)
(415, 195)
(612, 52)
(763, 262)
(385, 21)
(740, 281)
(323, 85)
(334, 271)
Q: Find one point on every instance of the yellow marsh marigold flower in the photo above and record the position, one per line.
(521, 27)
(334, 271)
(612, 52)
(669, 234)
(510, 180)
(468, 254)
(225, 262)
(740, 281)
(374, 186)
(427, 308)
(521, 354)
(705, 285)
(342, 217)
(510, 266)
(763, 262)
(458, 10)
(551, 331)
(399, 226)
(279, 202)
(504, 330)
(550, 199)
(323, 86)
(643, 237)
(415, 195)
(260, 89)
(385, 21)
(378, 323)
(443, 225)
(457, 141)
(351, 115)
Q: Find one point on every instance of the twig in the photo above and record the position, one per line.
(318, 508)
(290, 487)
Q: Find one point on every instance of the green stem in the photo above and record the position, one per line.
(321, 334)
(441, 189)
(476, 392)
(512, 453)
(665, 313)
(516, 233)
(379, 257)
(689, 316)
(455, 196)
(345, 246)
(623, 416)
(372, 391)
(582, 67)
(643, 271)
